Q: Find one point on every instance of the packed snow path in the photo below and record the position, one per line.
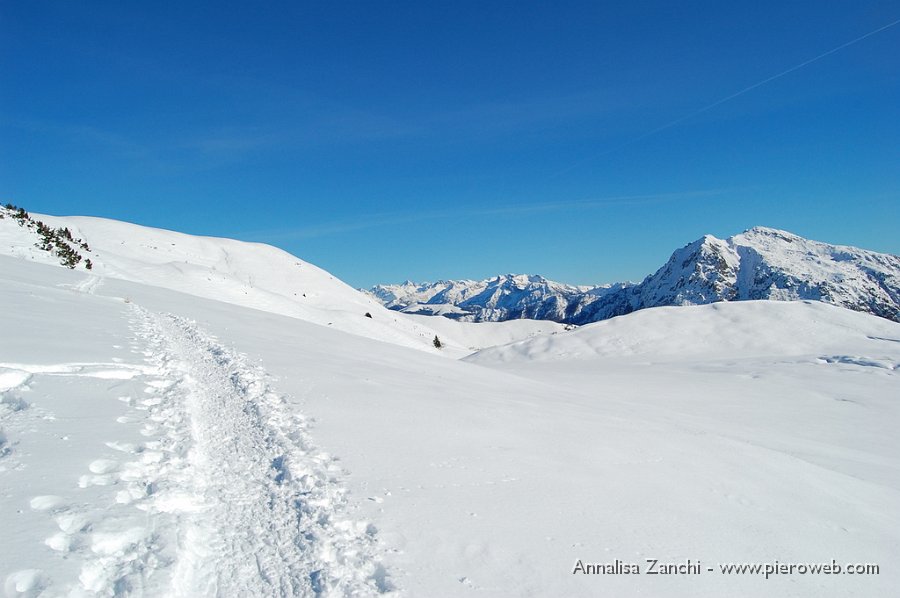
(257, 504)
(217, 491)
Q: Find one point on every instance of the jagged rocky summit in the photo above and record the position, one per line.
(761, 263)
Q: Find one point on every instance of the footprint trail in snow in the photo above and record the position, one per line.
(257, 505)
(226, 495)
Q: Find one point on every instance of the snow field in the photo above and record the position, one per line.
(151, 454)
(208, 484)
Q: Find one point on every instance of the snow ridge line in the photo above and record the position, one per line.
(261, 509)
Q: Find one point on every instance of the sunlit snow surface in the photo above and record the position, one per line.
(158, 443)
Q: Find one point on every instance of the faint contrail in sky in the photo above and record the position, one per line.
(730, 97)
(395, 218)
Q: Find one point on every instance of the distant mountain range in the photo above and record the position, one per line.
(761, 263)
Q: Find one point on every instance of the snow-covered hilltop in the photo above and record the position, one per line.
(761, 263)
(253, 275)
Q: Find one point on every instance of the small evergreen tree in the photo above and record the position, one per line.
(437, 342)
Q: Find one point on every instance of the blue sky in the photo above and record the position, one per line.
(389, 140)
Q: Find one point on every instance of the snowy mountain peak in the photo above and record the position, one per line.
(701, 272)
(503, 297)
(525, 279)
(760, 263)
(766, 231)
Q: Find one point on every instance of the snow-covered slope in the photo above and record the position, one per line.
(248, 274)
(139, 456)
(761, 263)
(809, 330)
(173, 445)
